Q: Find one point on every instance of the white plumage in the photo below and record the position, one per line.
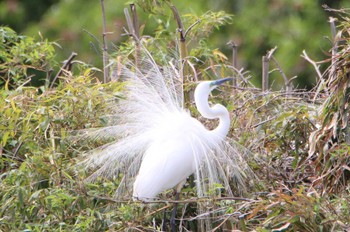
(158, 144)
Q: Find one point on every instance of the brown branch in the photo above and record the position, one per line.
(190, 27)
(265, 69)
(234, 59)
(66, 66)
(136, 34)
(17, 149)
(183, 52)
(265, 73)
(179, 23)
(183, 48)
(287, 82)
(135, 21)
(192, 200)
(48, 77)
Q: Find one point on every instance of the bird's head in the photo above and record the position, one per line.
(216, 83)
(204, 88)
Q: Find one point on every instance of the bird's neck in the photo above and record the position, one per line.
(217, 111)
(222, 129)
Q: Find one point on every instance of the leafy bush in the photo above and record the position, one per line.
(38, 186)
(23, 60)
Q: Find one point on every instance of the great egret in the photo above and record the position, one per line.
(174, 156)
(158, 144)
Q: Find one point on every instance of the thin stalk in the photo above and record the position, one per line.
(184, 71)
(182, 39)
(136, 34)
(334, 46)
(287, 82)
(265, 73)
(133, 27)
(67, 65)
(104, 48)
(234, 60)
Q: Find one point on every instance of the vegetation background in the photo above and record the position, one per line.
(256, 27)
(299, 140)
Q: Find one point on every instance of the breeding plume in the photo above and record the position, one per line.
(178, 151)
(158, 144)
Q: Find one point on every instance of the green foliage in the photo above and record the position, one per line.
(287, 25)
(257, 26)
(23, 59)
(165, 37)
(206, 23)
(39, 190)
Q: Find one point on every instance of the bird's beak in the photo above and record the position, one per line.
(220, 81)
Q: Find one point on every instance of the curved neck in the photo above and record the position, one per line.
(224, 123)
(217, 111)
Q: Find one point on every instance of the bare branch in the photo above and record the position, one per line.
(287, 82)
(234, 59)
(193, 69)
(129, 22)
(190, 27)
(317, 68)
(135, 21)
(334, 47)
(179, 23)
(105, 47)
(66, 66)
(265, 69)
(183, 51)
(265, 73)
(133, 26)
(270, 53)
(192, 200)
(136, 34)
(263, 122)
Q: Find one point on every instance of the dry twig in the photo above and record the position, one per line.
(65, 67)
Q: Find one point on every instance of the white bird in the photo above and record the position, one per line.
(180, 146)
(158, 144)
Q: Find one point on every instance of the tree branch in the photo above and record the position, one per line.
(105, 47)
(66, 66)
